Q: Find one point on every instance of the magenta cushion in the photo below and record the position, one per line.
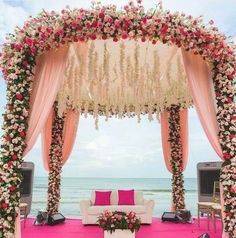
(102, 198)
(126, 197)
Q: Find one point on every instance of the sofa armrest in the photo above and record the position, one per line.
(149, 204)
(84, 205)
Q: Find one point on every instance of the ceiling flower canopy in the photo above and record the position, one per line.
(127, 78)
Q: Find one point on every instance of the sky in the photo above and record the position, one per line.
(121, 148)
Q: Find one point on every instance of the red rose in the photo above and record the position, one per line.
(130, 226)
(233, 117)
(74, 24)
(94, 24)
(124, 36)
(198, 34)
(231, 136)
(22, 134)
(154, 42)
(104, 37)
(229, 214)
(79, 27)
(101, 15)
(18, 46)
(229, 100)
(226, 156)
(8, 138)
(10, 163)
(25, 63)
(12, 188)
(81, 38)
(233, 189)
(14, 157)
(93, 36)
(164, 29)
(4, 205)
(115, 39)
(143, 39)
(48, 30)
(19, 96)
(144, 20)
(88, 24)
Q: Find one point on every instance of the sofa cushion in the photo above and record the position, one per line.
(113, 198)
(97, 210)
(126, 197)
(102, 198)
(138, 197)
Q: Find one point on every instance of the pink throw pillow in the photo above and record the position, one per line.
(126, 197)
(102, 198)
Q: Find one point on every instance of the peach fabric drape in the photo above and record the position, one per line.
(203, 94)
(49, 74)
(69, 135)
(183, 136)
(17, 224)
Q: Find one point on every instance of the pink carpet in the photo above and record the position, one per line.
(72, 228)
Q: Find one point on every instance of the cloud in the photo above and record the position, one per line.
(11, 16)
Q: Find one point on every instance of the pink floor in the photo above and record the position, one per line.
(72, 228)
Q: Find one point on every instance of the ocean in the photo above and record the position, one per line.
(75, 189)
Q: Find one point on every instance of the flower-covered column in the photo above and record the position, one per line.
(226, 116)
(11, 151)
(176, 158)
(55, 163)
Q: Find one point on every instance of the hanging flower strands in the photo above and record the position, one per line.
(51, 30)
(55, 163)
(176, 158)
(124, 79)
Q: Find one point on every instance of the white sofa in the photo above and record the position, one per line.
(143, 208)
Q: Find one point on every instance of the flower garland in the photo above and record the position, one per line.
(51, 30)
(176, 161)
(55, 163)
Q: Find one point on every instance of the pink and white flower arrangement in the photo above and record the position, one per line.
(110, 221)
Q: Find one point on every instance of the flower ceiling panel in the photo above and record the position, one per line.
(123, 78)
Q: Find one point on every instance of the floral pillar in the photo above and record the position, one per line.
(226, 116)
(176, 158)
(55, 163)
(12, 148)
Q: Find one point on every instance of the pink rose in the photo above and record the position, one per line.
(101, 15)
(100, 25)
(124, 36)
(233, 189)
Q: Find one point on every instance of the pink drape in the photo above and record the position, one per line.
(69, 135)
(203, 94)
(183, 136)
(48, 76)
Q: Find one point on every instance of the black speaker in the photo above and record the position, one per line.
(205, 235)
(55, 219)
(169, 216)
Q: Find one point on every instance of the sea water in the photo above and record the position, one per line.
(75, 189)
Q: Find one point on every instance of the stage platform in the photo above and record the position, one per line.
(73, 228)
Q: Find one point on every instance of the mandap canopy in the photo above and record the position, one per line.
(109, 62)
